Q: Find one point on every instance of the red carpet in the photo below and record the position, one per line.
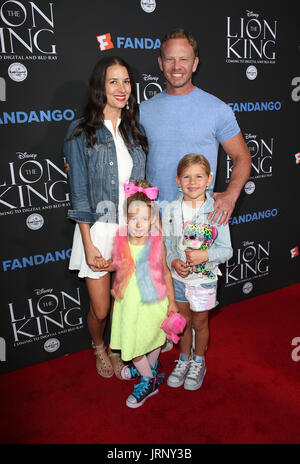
(251, 392)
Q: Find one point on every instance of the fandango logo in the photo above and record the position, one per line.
(256, 216)
(21, 117)
(36, 260)
(143, 43)
(138, 42)
(255, 106)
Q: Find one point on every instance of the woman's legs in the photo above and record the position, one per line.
(115, 355)
(99, 293)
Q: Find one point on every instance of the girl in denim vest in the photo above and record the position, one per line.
(194, 250)
(104, 150)
(143, 293)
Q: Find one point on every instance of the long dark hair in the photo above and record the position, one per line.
(93, 116)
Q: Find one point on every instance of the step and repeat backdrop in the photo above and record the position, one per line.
(249, 57)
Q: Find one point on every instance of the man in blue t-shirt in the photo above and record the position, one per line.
(184, 119)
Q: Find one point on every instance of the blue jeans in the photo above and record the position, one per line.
(179, 291)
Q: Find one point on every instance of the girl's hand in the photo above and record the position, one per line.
(173, 307)
(109, 266)
(180, 267)
(196, 256)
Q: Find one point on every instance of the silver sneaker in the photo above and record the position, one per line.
(195, 375)
(168, 346)
(176, 378)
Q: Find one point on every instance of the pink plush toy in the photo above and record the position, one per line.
(173, 325)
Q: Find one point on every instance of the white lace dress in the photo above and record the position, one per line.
(102, 234)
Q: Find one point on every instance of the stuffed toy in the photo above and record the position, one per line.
(173, 325)
(199, 237)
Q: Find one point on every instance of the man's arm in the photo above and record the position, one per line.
(237, 149)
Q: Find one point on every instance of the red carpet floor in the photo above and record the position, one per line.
(250, 395)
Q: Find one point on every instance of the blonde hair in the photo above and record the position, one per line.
(190, 160)
(180, 33)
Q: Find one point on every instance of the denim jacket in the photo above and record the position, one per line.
(172, 223)
(93, 175)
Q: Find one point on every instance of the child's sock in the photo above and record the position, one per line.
(153, 356)
(198, 358)
(143, 367)
(183, 357)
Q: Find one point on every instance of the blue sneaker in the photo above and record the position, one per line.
(147, 387)
(130, 371)
(195, 374)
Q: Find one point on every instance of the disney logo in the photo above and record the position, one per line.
(40, 291)
(250, 136)
(247, 243)
(25, 155)
(148, 77)
(250, 14)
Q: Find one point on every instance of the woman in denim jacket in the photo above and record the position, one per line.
(104, 150)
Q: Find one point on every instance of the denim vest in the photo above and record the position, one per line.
(172, 223)
(93, 175)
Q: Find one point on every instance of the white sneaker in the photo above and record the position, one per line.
(167, 346)
(195, 375)
(177, 377)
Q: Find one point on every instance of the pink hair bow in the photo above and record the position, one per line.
(131, 189)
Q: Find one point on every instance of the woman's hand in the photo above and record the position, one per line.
(196, 256)
(67, 167)
(180, 267)
(94, 258)
(109, 266)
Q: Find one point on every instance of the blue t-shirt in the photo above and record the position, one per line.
(178, 125)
